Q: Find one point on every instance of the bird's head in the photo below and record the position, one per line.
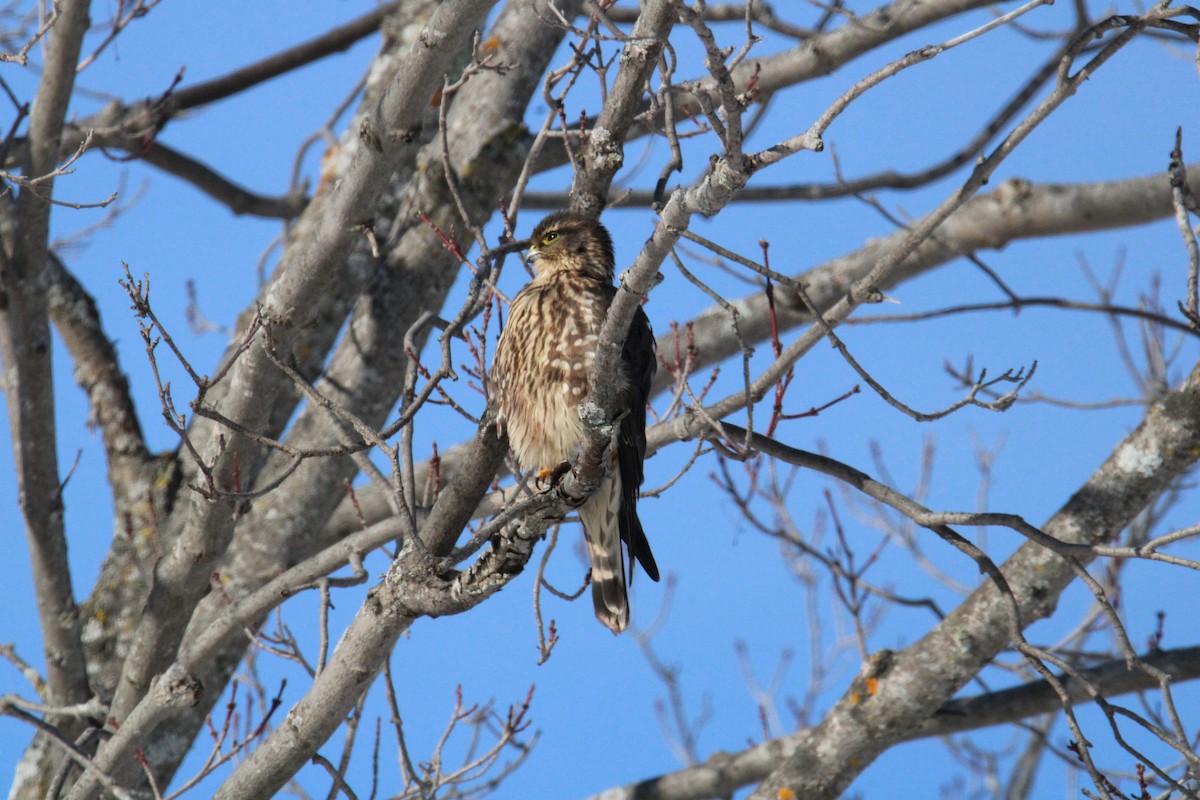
(565, 241)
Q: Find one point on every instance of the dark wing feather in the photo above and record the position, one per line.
(641, 362)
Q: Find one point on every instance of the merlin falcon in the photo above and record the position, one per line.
(540, 376)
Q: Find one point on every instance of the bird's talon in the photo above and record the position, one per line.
(557, 474)
(550, 476)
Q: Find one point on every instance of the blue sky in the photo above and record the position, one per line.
(594, 701)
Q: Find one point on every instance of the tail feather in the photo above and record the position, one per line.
(601, 528)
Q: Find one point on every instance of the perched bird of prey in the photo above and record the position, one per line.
(540, 376)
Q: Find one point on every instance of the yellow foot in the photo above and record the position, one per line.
(552, 475)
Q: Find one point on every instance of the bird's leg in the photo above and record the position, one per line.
(552, 475)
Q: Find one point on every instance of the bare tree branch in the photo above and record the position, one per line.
(317, 270)
(98, 371)
(349, 360)
(332, 41)
(604, 154)
(1016, 210)
(22, 55)
(1115, 493)
(727, 772)
(225, 191)
(368, 370)
(25, 352)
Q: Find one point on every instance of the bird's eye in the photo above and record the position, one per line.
(549, 237)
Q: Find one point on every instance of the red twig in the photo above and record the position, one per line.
(450, 242)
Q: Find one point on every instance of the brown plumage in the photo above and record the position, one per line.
(540, 376)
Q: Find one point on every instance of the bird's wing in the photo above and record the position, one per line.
(640, 361)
